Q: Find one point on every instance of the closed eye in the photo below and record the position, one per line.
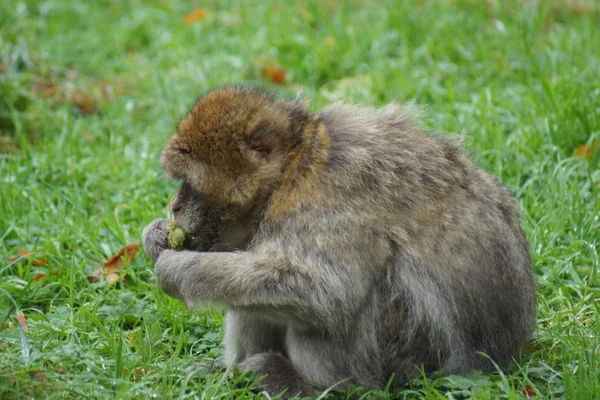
(182, 150)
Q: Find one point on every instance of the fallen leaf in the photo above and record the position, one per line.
(38, 375)
(193, 16)
(95, 276)
(83, 102)
(532, 345)
(117, 262)
(273, 73)
(529, 392)
(41, 262)
(38, 263)
(112, 277)
(586, 150)
(43, 274)
(22, 321)
(45, 89)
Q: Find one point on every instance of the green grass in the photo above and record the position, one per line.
(520, 80)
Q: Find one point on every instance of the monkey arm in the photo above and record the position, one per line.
(313, 295)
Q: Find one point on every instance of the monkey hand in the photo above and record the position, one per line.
(156, 238)
(172, 270)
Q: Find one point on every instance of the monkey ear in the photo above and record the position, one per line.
(264, 144)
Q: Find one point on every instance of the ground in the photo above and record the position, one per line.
(89, 92)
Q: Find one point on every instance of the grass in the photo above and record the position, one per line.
(79, 173)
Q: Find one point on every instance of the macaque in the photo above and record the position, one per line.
(348, 245)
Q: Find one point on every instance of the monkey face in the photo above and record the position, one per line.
(230, 151)
(230, 147)
(211, 228)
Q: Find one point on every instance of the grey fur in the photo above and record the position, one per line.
(414, 257)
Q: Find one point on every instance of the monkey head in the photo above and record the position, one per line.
(230, 151)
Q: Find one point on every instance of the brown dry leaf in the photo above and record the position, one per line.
(45, 90)
(117, 262)
(37, 263)
(24, 252)
(83, 102)
(532, 345)
(41, 262)
(2, 68)
(38, 375)
(95, 276)
(112, 277)
(193, 16)
(273, 73)
(529, 392)
(587, 150)
(43, 274)
(22, 321)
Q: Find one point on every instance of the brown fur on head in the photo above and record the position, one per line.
(242, 135)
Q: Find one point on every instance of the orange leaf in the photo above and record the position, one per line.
(41, 262)
(194, 16)
(532, 345)
(24, 252)
(38, 263)
(22, 321)
(274, 73)
(39, 276)
(43, 274)
(117, 262)
(529, 392)
(83, 102)
(587, 150)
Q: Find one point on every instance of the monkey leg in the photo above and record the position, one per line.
(247, 335)
(278, 375)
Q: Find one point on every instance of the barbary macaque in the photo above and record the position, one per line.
(348, 245)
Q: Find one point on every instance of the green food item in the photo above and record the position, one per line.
(177, 236)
